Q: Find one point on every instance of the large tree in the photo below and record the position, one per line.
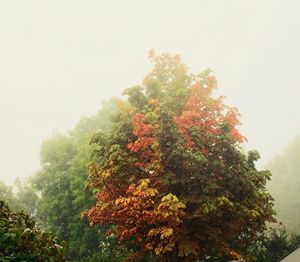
(171, 175)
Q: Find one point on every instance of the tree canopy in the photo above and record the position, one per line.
(171, 176)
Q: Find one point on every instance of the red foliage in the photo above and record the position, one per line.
(208, 115)
(143, 144)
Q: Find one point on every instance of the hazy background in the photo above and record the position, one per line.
(60, 59)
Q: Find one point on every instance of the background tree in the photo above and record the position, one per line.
(25, 197)
(273, 244)
(21, 196)
(285, 184)
(60, 183)
(171, 175)
(6, 193)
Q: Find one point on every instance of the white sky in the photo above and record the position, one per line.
(60, 59)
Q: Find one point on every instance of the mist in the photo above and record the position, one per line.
(59, 60)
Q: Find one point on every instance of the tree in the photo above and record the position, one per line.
(24, 197)
(171, 175)
(60, 183)
(285, 183)
(274, 244)
(20, 240)
(6, 193)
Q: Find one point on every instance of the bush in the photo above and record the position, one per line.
(20, 240)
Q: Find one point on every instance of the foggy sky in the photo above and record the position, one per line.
(60, 59)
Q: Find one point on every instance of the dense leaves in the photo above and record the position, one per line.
(171, 175)
(285, 183)
(20, 240)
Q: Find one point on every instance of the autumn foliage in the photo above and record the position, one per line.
(171, 178)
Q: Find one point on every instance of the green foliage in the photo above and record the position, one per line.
(60, 183)
(20, 240)
(285, 185)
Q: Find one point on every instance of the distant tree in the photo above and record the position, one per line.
(21, 196)
(25, 197)
(273, 244)
(285, 185)
(6, 193)
(20, 240)
(60, 183)
(171, 175)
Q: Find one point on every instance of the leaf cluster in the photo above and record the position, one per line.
(20, 240)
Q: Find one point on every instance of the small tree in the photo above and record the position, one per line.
(171, 175)
(274, 244)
